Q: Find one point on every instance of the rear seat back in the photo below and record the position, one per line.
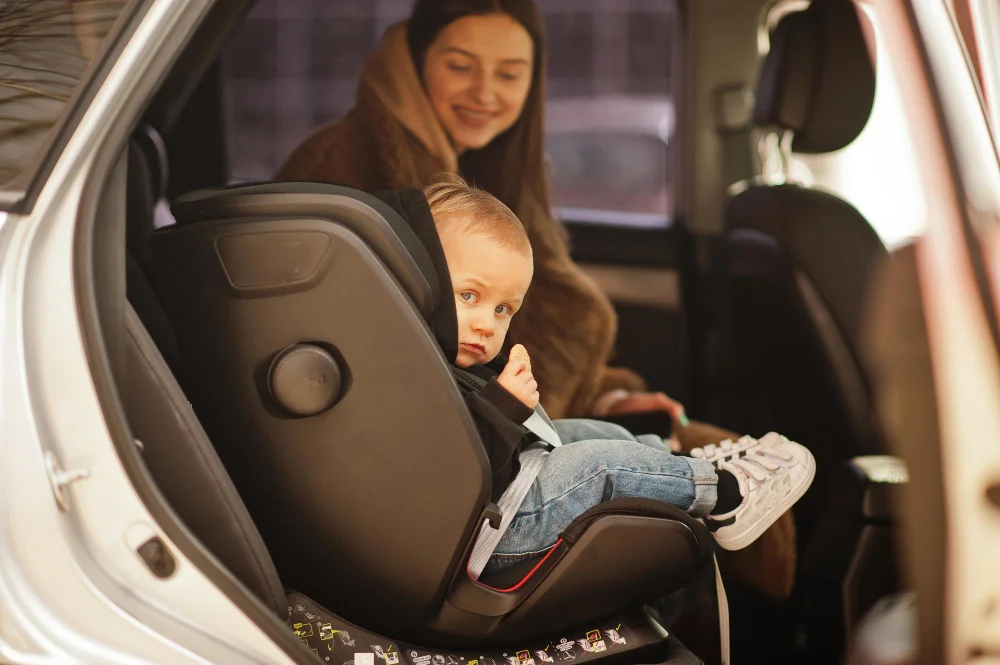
(188, 471)
(146, 187)
(174, 446)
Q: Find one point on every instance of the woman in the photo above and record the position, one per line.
(460, 88)
(477, 108)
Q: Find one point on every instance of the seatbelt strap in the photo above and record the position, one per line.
(720, 594)
(543, 429)
(532, 460)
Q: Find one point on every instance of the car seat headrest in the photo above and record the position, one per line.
(818, 79)
(411, 204)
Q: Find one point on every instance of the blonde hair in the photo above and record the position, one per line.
(452, 200)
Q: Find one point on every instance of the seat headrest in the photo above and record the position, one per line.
(818, 79)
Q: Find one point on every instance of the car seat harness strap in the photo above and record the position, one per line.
(540, 426)
(723, 602)
(532, 460)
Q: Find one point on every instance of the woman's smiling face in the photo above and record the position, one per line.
(478, 73)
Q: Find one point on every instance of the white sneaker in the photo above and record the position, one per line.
(773, 473)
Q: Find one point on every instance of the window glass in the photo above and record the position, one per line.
(46, 47)
(610, 116)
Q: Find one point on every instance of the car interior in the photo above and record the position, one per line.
(261, 317)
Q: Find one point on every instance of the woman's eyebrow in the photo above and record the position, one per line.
(455, 49)
(469, 54)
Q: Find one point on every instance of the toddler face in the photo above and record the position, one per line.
(489, 282)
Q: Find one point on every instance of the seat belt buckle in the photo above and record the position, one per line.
(493, 515)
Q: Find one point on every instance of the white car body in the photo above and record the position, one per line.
(73, 587)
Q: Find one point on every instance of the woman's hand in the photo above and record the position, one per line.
(644, 402)
(518, 380)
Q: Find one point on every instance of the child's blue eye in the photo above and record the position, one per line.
(469, 297)
(503, 310)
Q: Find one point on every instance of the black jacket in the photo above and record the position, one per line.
(498, 414)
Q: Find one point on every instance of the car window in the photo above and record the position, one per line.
(609, 117)
(610, 170)
(46, 49)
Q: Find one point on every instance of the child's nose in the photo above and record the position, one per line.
(484, 324)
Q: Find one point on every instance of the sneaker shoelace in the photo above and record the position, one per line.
(746, 457)
(724, 451)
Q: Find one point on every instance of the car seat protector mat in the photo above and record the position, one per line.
(626, 636)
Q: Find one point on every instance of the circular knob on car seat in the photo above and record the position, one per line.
(304, 379)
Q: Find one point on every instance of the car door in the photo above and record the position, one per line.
(934, 350)
(96, 566)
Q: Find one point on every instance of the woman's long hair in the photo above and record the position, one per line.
(566, 322)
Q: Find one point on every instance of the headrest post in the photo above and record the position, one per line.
(785, 150)
(772, 170)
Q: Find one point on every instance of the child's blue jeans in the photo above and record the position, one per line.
(598, 462)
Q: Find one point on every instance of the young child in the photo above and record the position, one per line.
(739, 488)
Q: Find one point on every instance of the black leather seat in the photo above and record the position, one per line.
(370, 502)
(796, 267)
(796, 261)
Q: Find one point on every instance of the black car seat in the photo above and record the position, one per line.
(796, 264)
(188, 471)
(796, 260)
(303, 313)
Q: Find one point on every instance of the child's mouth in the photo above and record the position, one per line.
(475, 349)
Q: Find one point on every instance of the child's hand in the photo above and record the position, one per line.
(518, 380)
